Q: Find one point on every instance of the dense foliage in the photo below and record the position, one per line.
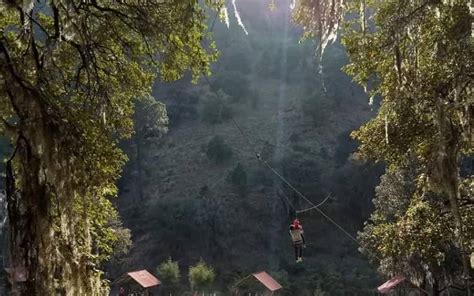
(201, 277)
(75, 82)
(218, 151)
(169, 273)
(70, 71)
(418, 56)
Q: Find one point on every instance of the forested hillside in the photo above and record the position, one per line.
(184, 136)
(200, 192)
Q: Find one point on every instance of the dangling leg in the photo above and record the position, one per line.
(295, 247)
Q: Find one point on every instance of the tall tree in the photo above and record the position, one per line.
(201, 277)
(411, 233)
(169, 272)
(69, 71)
(150, 121)
(418, 56)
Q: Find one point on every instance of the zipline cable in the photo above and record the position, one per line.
(284, 180)
(313, 206)
(258, 156)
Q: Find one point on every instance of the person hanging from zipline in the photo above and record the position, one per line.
(297, 236)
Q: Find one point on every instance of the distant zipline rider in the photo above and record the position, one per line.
(297, 236)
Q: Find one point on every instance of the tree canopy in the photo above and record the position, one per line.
(75, 80)
(201, 276)
(70, 72)
(418, 56)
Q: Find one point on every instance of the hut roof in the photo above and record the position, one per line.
(263, 278)
(144, 278)
(266, 280)
(390, 284)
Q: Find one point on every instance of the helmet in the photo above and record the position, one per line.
(296, 223)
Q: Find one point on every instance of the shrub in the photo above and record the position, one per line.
(218, 151)
(238, 178)
(318, 108)
(182, 108)
(201, 276)
(236, 85)
(169, 272)
(215, 109)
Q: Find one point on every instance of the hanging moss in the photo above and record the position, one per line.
(66, 98)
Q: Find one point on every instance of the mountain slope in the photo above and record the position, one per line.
(236, 219)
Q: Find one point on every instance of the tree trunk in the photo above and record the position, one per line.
(446, 176)
(44, 238)
(436, 291)
(453, 198)
(139, 183)
(423, 287)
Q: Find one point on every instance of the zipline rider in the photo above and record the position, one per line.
(296, 233)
